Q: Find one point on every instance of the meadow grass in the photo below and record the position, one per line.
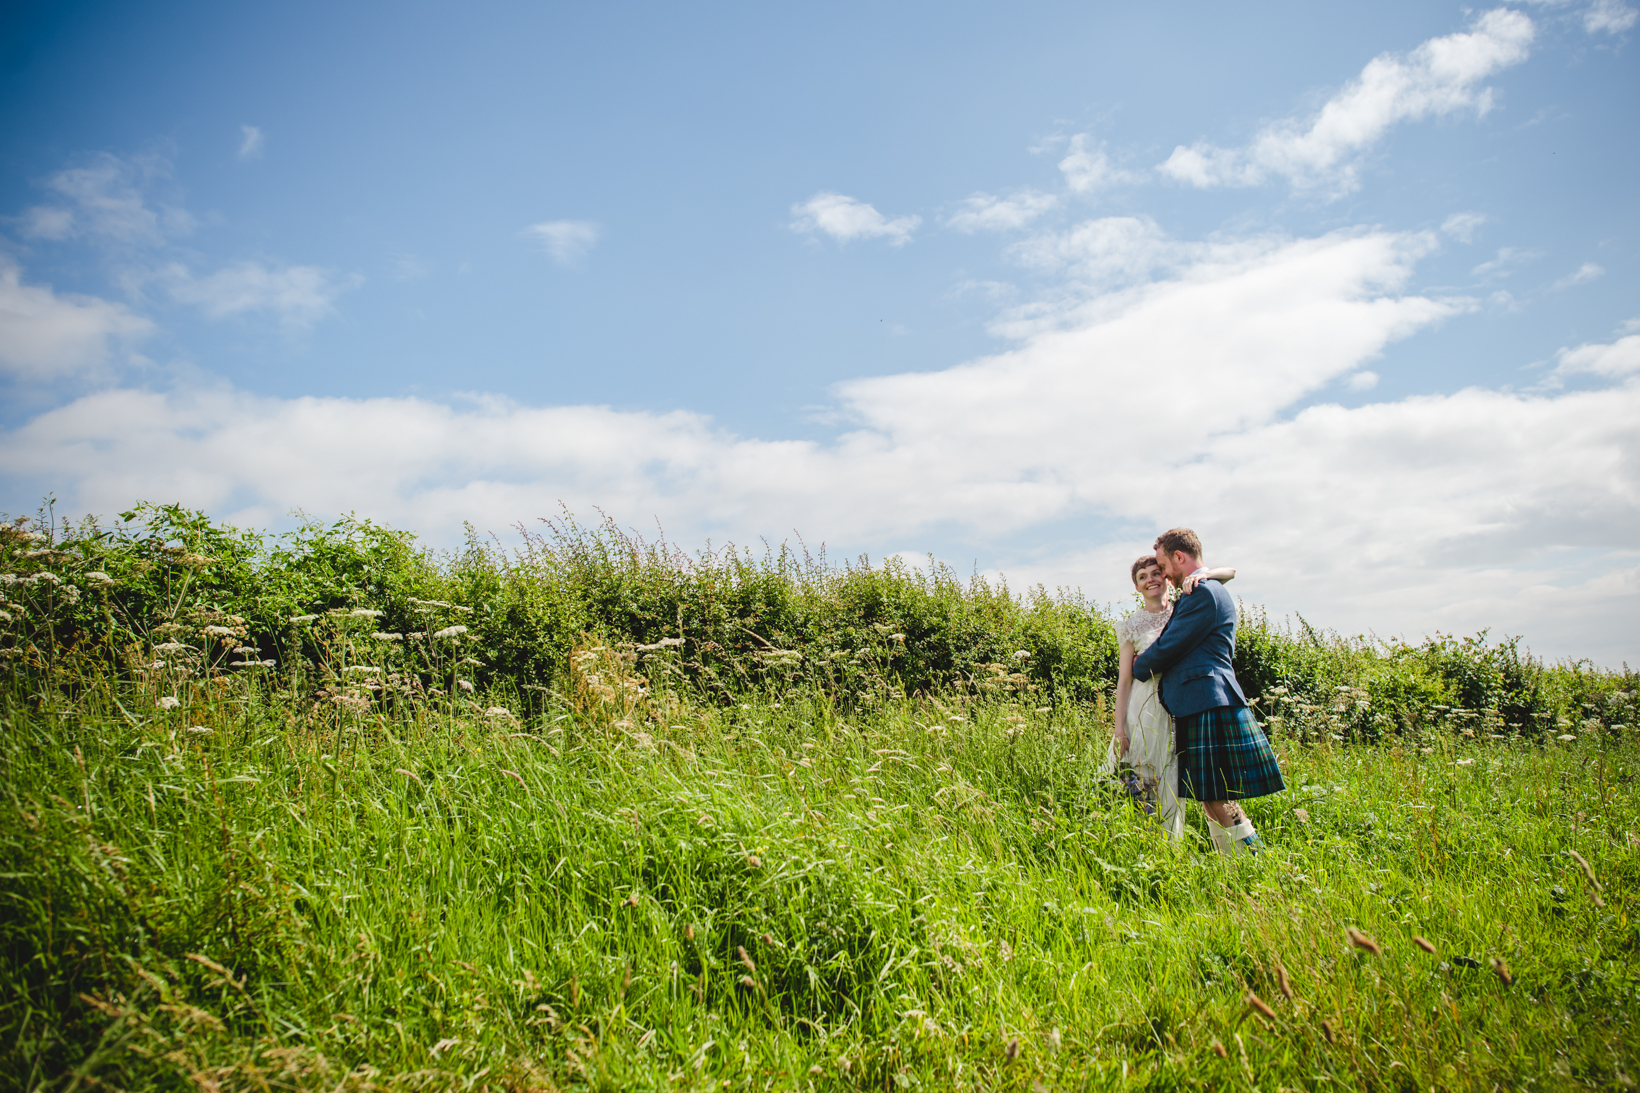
(940, 894)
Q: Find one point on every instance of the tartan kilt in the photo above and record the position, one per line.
(1225, 756)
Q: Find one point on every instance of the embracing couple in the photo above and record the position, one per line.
(1183, 729)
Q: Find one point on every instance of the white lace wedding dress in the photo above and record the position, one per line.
(1154, 765)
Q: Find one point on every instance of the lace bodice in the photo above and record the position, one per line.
(1142, 626)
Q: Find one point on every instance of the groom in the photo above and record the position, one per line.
(1224, 756)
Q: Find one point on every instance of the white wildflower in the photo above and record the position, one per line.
(379, 636)
(451, 632)
(99, 578)
(169, 702)
(362, 670)
(465, 686)
(44, 575)
(247, 650)
(416, 635)
(500, 711)
(1566, 736)
(5, 616)
(172, 647)
(194, 561)
(218, 632)
(1465, 762)
(297, 620)
(365, 613)
(471, 662)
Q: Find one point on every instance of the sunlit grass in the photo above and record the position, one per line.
(231, 895)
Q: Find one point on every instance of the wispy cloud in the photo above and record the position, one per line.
(46, 336)
(567, 241)
(1614, 360)
(1087, 167)
(843, 218)
(297, 296)
(1585, 273)
(1600, 17)
(1462, 226)
(1440, 77)
(987, 212)
(250, 142)
(105, 199)
(1507, 261)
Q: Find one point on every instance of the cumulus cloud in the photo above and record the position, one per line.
(567, 241)
(1087, 168)
(1440, 77)
(1183, 395)
(46, 336)
(843, 218)
(250, 142)
(106, 199)
(298, 296)
(987, 212)
(1614, 360)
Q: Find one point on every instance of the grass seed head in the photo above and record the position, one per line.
(1218, 1049)
(1424, 943)
(1501, 969)
(745, 958)
(1283, 982)
(1363, 942)
(748, 982)
(1012, 1050)
(1255, 1004)
(1328, 1033)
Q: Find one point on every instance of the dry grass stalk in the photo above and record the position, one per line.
(1363, 942)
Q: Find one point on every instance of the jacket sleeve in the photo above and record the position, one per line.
(1192, 621)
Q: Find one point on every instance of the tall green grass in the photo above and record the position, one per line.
(934, 895)
(624, 818)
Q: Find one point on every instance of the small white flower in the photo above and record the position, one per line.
(198, 729)
(171, 647)
(169, 702)
(99, 578)
(362, 670)
(471, 662)
(451, 632)
(499, 711)
(464, 685)
(379, 636)
(364, 613)
(247, 650)
(1465, 762)
(218, 632)
(1566, 736)
(297, 620)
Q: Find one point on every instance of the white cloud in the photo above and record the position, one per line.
(987, 212)
(1169, 399)
(1362, 381)
(1087, 168)
(1585, 273)
(1462, 226)
(297, 295)
(1441, 76)
(844, 218)
(106, 199)
(250, 142)
(1608, 17)
(566, 240)
(1507, 260)
(45, 336)
(1616, 360)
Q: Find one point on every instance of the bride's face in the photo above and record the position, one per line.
(1150, 582)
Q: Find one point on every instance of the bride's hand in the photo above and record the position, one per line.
(1121, 742)
(1190, 584)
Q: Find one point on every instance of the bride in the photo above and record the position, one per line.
(1143, 743)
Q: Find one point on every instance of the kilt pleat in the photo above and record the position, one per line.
(1225, 756)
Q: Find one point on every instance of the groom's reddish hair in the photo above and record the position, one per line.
(1179, 539)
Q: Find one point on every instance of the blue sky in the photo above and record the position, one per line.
(1351, 289)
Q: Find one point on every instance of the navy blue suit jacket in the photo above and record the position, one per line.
(1195, 652)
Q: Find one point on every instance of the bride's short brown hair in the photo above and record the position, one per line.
(1144, 560)
(1180, 539)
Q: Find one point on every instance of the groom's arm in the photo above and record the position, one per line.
(1193, 618)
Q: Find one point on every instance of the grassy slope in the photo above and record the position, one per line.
(922, 901)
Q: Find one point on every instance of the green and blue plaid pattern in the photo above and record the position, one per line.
(1225, 756)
